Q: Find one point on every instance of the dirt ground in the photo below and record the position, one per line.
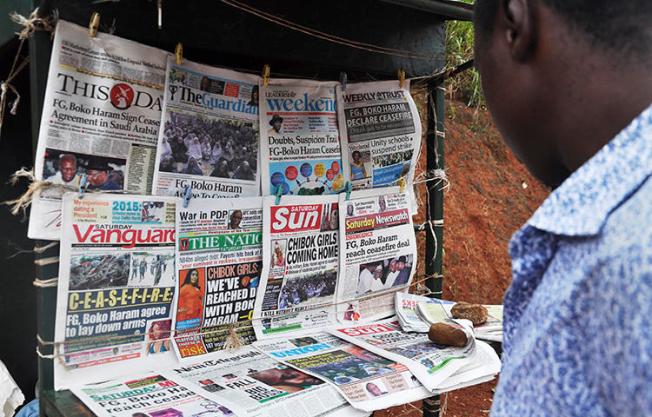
(490, 196)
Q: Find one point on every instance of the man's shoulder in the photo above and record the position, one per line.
(629, 225)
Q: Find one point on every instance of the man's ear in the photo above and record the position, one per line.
(519, 27)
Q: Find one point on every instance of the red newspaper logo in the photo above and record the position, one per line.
(296, 218)
(365, 330)
(232, 90)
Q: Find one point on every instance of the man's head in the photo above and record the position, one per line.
(560, 76)
(68, 166)
(287, 376)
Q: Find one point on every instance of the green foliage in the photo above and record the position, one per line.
(459, 49)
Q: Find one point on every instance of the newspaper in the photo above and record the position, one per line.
(368, 381)
(432, 364)
(255, 385)
(491, 330)
(209, 139)
(408, 314)
(381, 133)
(300, 143)
(148, 395)
(300, 265)
(101, 117)
(378, 253)
(218, 266)
(116, 287)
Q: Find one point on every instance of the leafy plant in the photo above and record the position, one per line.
(459, 49)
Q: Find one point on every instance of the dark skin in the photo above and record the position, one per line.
(556, 98)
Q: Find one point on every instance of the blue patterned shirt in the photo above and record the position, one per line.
(578, 314)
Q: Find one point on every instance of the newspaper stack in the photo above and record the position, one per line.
(407, 314)
(492, 330)
(438, 368)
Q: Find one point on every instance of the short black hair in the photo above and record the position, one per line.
(621, 26)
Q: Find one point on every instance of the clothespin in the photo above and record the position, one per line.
(83, 182)
(159, 9)
(401, 184)
(401, 77)
(94, 24)
(349, 188)
(187, 195)
(279, 193)
(178, 53)
(343, 80)
(266, 72)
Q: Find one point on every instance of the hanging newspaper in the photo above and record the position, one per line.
(218, 261)
(407, 311)
(209, 138)
(368, 381)
(438, 368)
(254, 385)
(116, 287)
(381, 133)
(101, 115)
(378, 253)
(149, 395)
(300, 265)
(300, 143)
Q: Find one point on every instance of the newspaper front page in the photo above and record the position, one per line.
(378, 253)
(101, 116)
(255, 385)
(432, 364)
(148, 395)
(300, 265)
(116, 287)
(367, 381)
(381, 133)
(300, 143)
(209, 137)
(218, 264)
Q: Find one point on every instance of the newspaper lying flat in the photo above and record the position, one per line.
(378, 253)
(209, 138)
(408, 316)
(492, 330)
(300, 265)
(300, 144)
(368, 381)
(254, 385)
(148, 395)
(435, 366)
(218, 264)
(116, 287)
(381, 133)
(101, 116)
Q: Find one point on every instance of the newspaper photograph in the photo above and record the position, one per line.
(300, 142)
(379, 253)
(218, 266)
(255, 385)
(432, 364)
(148, 395)
(209, 137)
(116, 287)
(101, 116)
(300, 265)
(381, 133)
(367, 381)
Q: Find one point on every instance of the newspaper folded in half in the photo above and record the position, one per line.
(492, 330)
(255, 385)
(407, 314)
(367, 381)
(147, 395)
(438, 368)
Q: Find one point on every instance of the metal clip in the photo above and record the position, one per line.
(187, 195)
(94, 24)
(279, 194)
(83, 183)
(343, 80)
(178, 53)
(401, 184)
(401, 77)
(266, 73)
(349, 188)
(159, 9)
